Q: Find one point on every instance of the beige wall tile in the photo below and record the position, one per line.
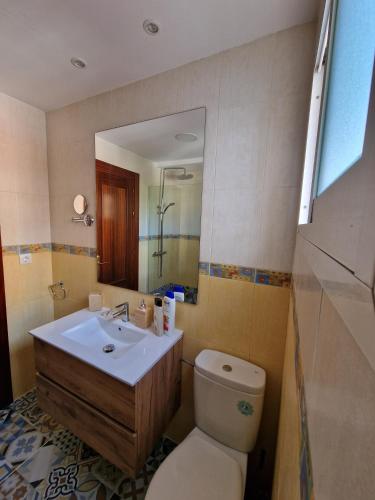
(286, 484)
(229, 312)
(28, 306)
(14, 285)
(308, 300)
(9, 218)
(341, 413)
(24, 196)
(269, 315)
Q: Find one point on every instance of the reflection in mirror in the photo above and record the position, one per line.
(149, 179)
(80, 204)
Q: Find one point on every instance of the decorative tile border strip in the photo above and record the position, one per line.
(306, 476)
(204, 268)
(274, 278)
(250, 274)
(22, 249)
(232, 272)
(74, 250)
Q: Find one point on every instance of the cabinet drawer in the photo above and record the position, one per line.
(116, 443)
(106, 393)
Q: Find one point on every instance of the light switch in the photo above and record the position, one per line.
(26, 258)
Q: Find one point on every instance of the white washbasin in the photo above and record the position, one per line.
(83, 334)
(97, 333)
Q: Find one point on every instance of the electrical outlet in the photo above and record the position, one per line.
(26, 258)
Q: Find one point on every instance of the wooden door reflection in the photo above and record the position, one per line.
(117, 192)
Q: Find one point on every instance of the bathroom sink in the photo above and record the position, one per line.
(109, 337)
(119, 349)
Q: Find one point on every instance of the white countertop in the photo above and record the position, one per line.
(129, 368)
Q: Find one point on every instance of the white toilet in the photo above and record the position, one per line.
(210, 464)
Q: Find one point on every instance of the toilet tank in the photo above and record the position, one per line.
(228, 397)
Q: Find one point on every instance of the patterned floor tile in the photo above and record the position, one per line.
(48, 425)
(13, 427)
(4, 414)
(5, 469)
(37, 468)
(61, 479)
(90, 488)
(86, 455)
(24, 402)
(52, 463)
(135, 489)
(16, 488)
(23, 447)
(108, 474)
(66, 441)
(32, 413)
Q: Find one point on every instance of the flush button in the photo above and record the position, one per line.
(227, 368)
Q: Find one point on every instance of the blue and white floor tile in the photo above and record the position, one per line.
(40, 459)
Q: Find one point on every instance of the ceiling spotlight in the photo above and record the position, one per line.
(150, 27)
(186, 137)
(78, 63)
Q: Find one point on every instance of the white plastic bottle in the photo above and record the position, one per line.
(169, 313)
(158, 317)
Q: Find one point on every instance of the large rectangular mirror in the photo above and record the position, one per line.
(149, 179)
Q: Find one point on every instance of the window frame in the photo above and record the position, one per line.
(316, 114)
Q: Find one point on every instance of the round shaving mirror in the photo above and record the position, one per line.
(80, 204)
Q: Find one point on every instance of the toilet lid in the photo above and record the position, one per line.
(197, 470)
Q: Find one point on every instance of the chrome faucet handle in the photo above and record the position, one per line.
(124, 311)
(116, 312)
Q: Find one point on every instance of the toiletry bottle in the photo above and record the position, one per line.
(143, 315)
(179, 293)
(158, 316)
(169, 312)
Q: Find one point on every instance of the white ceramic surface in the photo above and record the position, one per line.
(83, 334)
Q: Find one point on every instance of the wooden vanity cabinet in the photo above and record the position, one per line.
(121, 422)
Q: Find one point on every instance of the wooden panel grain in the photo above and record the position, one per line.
(157, 400)
(111, 440)
(106, 393)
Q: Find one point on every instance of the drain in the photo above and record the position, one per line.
(109, 348)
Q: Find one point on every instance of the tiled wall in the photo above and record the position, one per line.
(256, 98)
(24, 220)
(335, 374)
(286, 485)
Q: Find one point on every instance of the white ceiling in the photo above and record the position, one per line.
(155, 139)
(39, 37)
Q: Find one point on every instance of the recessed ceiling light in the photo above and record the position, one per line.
(186, 137)
(150, 27)
(78, 63)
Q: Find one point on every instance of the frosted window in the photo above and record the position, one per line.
(348, 89)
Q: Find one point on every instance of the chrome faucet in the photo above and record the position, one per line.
(120, 310)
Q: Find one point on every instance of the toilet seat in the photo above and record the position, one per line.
(197, 470)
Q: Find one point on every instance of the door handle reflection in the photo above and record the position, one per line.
(98, 261)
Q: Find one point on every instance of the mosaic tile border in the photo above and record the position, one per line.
(250, 274)
(306, 475)
(30, 248)
(74, 249)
